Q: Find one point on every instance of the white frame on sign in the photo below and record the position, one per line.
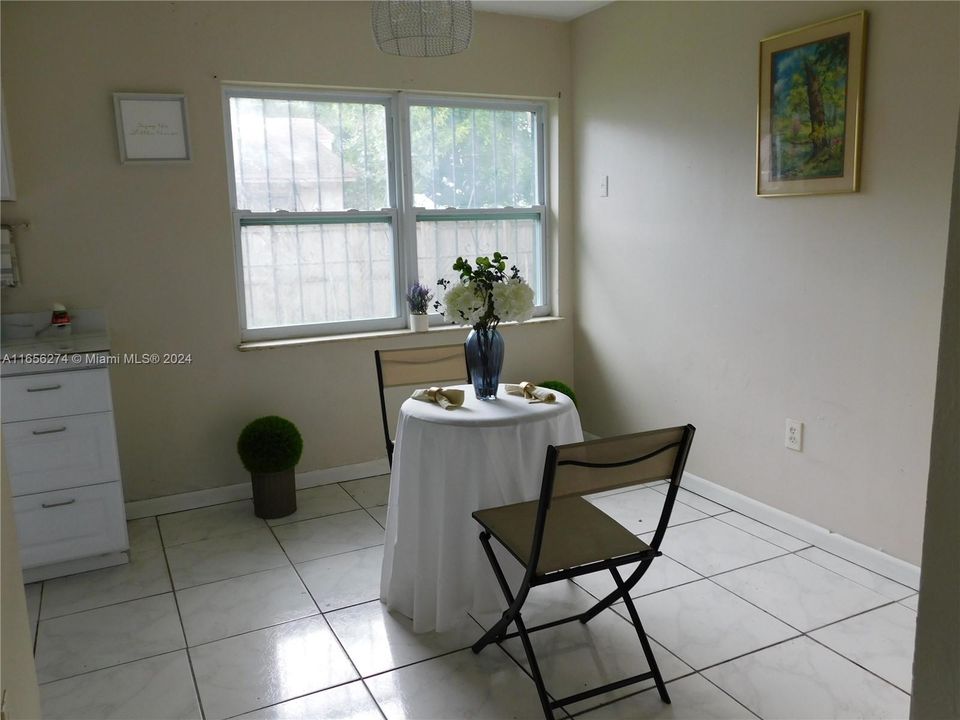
(152, 127)
(8, 189)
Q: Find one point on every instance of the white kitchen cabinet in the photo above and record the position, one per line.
(31, 397)
(60, 446)
(54, 527)
(61, 452)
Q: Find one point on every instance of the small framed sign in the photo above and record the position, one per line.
(152, 127)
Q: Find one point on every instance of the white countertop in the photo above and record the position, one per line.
(29, 345)
(72, 352)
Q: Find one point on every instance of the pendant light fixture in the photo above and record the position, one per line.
(422, 28)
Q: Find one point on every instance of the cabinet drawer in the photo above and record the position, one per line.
(30, 397)
(70, 524)
(60, 452)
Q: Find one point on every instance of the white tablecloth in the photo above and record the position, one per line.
(447, 464)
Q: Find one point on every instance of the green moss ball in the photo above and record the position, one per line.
(270, 444)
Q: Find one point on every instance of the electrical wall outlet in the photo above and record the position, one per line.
(794, 436)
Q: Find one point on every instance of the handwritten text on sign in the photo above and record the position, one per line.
(154, 129)
(143, 128)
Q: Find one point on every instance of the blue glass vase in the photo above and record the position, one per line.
(485, 360)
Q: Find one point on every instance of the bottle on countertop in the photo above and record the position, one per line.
(60, 323)
(60, 316)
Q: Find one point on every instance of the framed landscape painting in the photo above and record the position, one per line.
(811, 108)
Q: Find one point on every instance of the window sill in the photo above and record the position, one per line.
(296, 342)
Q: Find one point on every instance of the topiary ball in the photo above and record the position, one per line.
(558, 386)
(270, 444)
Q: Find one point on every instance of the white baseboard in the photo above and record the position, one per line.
(870, 558)
(242, 491)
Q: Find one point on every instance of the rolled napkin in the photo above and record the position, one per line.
(447, 398)
(533, 393)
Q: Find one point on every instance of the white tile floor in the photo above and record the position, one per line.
(222, 615)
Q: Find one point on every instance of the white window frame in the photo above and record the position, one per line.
(412, 213)
(402, 215)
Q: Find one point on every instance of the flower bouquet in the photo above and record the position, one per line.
(485, 295)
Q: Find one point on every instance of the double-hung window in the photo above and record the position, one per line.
(342, 200)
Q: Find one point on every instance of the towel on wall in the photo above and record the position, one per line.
(9, 269)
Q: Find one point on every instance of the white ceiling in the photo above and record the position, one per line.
(552, 9)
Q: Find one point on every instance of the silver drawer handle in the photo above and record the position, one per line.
(71, 501)
(44, 389)
(50, 432)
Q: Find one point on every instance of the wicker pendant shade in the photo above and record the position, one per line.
(422, 28)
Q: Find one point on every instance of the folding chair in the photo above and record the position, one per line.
(562, 536)
(418, 366)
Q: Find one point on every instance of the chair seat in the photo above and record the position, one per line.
(577, 533)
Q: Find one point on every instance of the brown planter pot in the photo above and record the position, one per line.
(274, 494)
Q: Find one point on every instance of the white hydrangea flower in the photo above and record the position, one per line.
(478, 304)
(462, 304)
(513, 300)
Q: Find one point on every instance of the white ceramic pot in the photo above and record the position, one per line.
(419, 323)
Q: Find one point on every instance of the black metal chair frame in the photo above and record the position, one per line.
(497, 633)
(383, 402)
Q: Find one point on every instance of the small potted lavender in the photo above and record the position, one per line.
(418, 300)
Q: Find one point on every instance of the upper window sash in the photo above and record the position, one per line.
(537, 109)
(387, 100)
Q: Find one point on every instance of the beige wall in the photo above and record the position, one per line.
(153, 244)
(735, 312)
(936, 665)
(18, 676)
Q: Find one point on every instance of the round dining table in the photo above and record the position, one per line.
(447, 464)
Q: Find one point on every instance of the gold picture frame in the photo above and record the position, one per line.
(810, 109)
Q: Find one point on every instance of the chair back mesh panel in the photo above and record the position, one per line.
(423, 366)
(645, 457)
